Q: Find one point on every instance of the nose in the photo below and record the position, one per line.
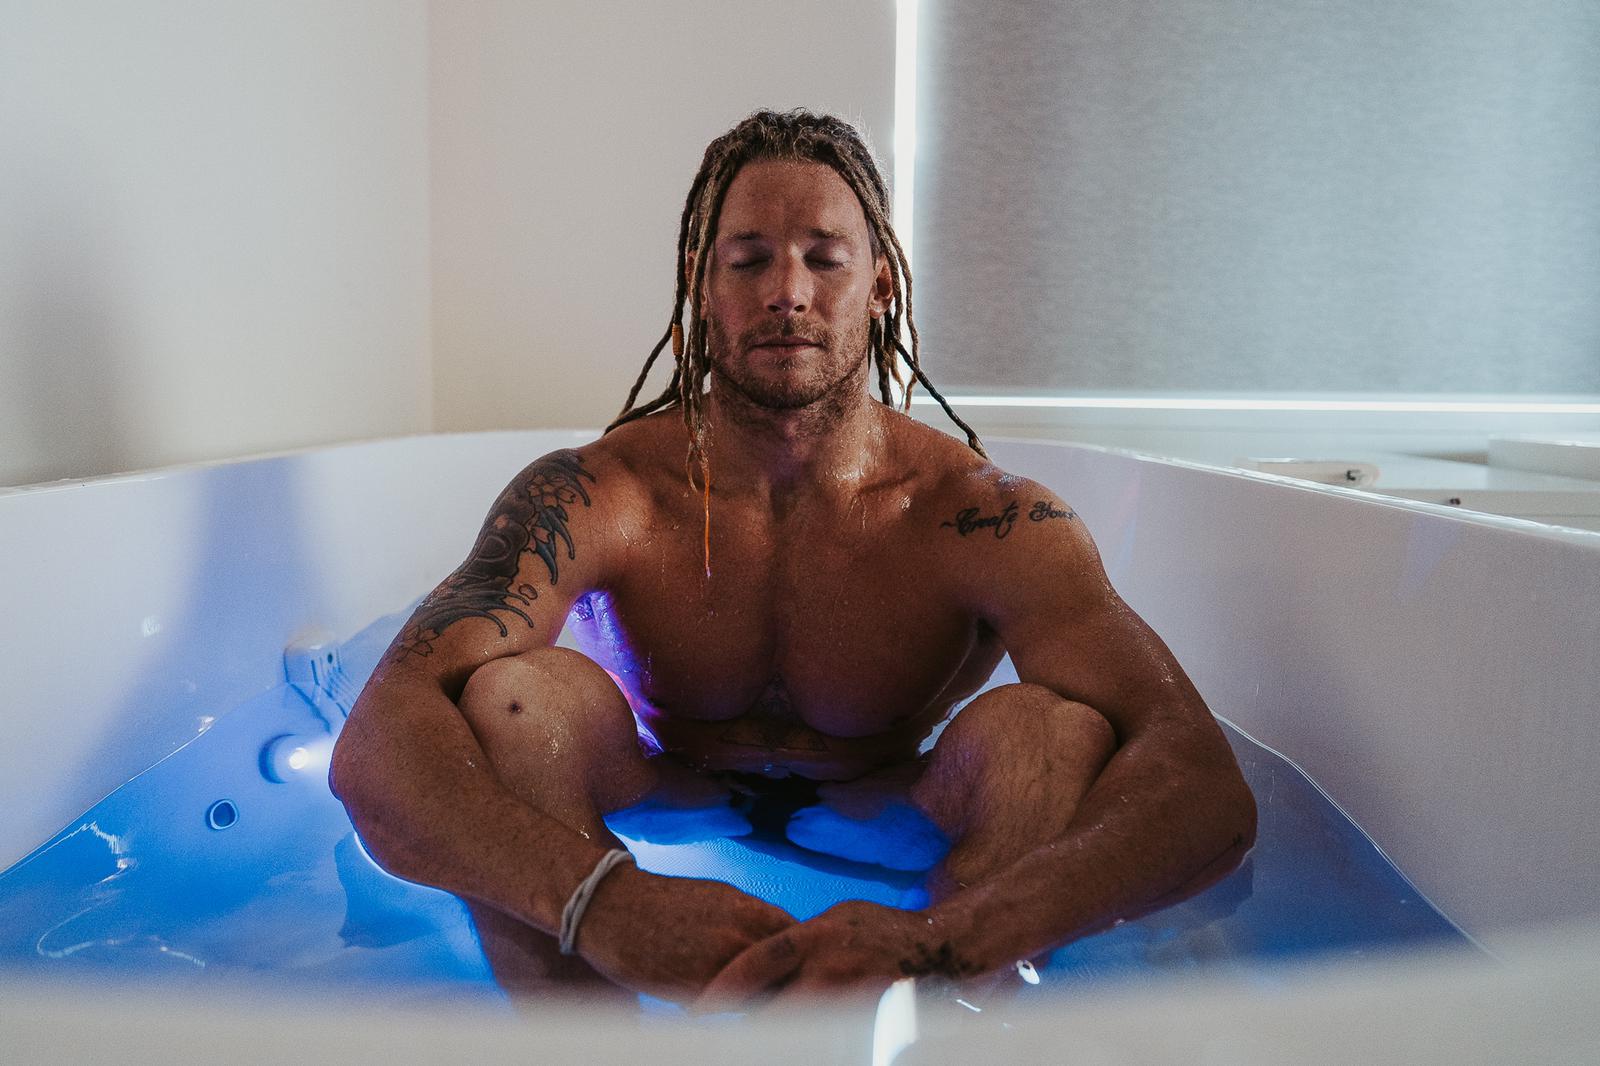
(790, 291)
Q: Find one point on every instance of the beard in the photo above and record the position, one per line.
(793, 382)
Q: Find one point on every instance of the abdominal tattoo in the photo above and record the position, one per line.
(969, 520)
(530, 517)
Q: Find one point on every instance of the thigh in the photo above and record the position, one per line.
(1007, 775)
(559, 733)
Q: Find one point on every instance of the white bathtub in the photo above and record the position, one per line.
(1437, 673)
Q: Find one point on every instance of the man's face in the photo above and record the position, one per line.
(792, 285)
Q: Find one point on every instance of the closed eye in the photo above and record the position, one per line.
(820, 264)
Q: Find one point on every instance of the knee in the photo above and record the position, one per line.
(558, 732)
(1029, 717)
(548, 689)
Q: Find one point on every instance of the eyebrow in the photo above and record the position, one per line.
(815, 232)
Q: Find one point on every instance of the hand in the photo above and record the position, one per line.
(669, 936)
(854, 946)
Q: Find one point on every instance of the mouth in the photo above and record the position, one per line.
(786, 344)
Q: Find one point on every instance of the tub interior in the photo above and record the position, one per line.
(1435, 673)
(230, 863)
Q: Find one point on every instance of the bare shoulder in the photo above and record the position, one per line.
(977, 500)
(572, 511)
(638, 455)
(1001, 538)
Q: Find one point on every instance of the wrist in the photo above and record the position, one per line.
(578, 903)
(978, 930)
(606, 916)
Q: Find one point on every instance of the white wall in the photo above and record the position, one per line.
(228, 228)
(213, 229)
(565, 136)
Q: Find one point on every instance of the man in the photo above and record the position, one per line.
(804, 603)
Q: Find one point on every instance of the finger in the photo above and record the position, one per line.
(760, 966)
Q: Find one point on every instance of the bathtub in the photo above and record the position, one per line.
(1437, 673)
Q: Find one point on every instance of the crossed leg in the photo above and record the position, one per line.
(1005, 777)
(561, 737)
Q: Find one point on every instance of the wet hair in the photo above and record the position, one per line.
(791, 136)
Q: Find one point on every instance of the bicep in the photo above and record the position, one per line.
(537, 552)
(1067, 629)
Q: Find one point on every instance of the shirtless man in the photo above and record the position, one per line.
(829, 579)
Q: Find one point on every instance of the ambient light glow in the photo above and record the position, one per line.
(285, 757)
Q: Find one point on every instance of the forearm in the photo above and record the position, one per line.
(1152, 830)
(430, 809)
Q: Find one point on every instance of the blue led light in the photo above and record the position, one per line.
(286, 756)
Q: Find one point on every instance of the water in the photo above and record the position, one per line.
(204, 871)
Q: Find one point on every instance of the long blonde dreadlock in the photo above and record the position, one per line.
(797, 135)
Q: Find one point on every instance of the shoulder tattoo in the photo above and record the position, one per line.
(971, 520)
(529, 518)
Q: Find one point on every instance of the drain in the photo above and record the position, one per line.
(222, 814)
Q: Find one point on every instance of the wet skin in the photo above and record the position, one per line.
(866, 573)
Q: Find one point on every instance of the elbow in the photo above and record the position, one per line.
(348, 779)
(1234, 819)
(1247, 816)
(342, 774)
(1229, 830)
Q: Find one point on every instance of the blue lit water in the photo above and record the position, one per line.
(204, 871)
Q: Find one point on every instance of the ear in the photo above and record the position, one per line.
(688, 277)
(882, 289)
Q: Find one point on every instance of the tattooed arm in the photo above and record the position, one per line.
(407, 766)
(426, 798)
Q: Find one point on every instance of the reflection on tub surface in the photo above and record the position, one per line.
(230, 861)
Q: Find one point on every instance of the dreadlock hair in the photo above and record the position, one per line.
(792, 136)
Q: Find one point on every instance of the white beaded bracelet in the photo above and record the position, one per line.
(572, 913)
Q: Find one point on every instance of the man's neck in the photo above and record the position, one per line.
(833, 444)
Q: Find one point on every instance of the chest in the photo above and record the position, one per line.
(839, 612)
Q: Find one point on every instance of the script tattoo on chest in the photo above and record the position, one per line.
(772, 724)
(1045, 510)
(969, 520)
(530, 517)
